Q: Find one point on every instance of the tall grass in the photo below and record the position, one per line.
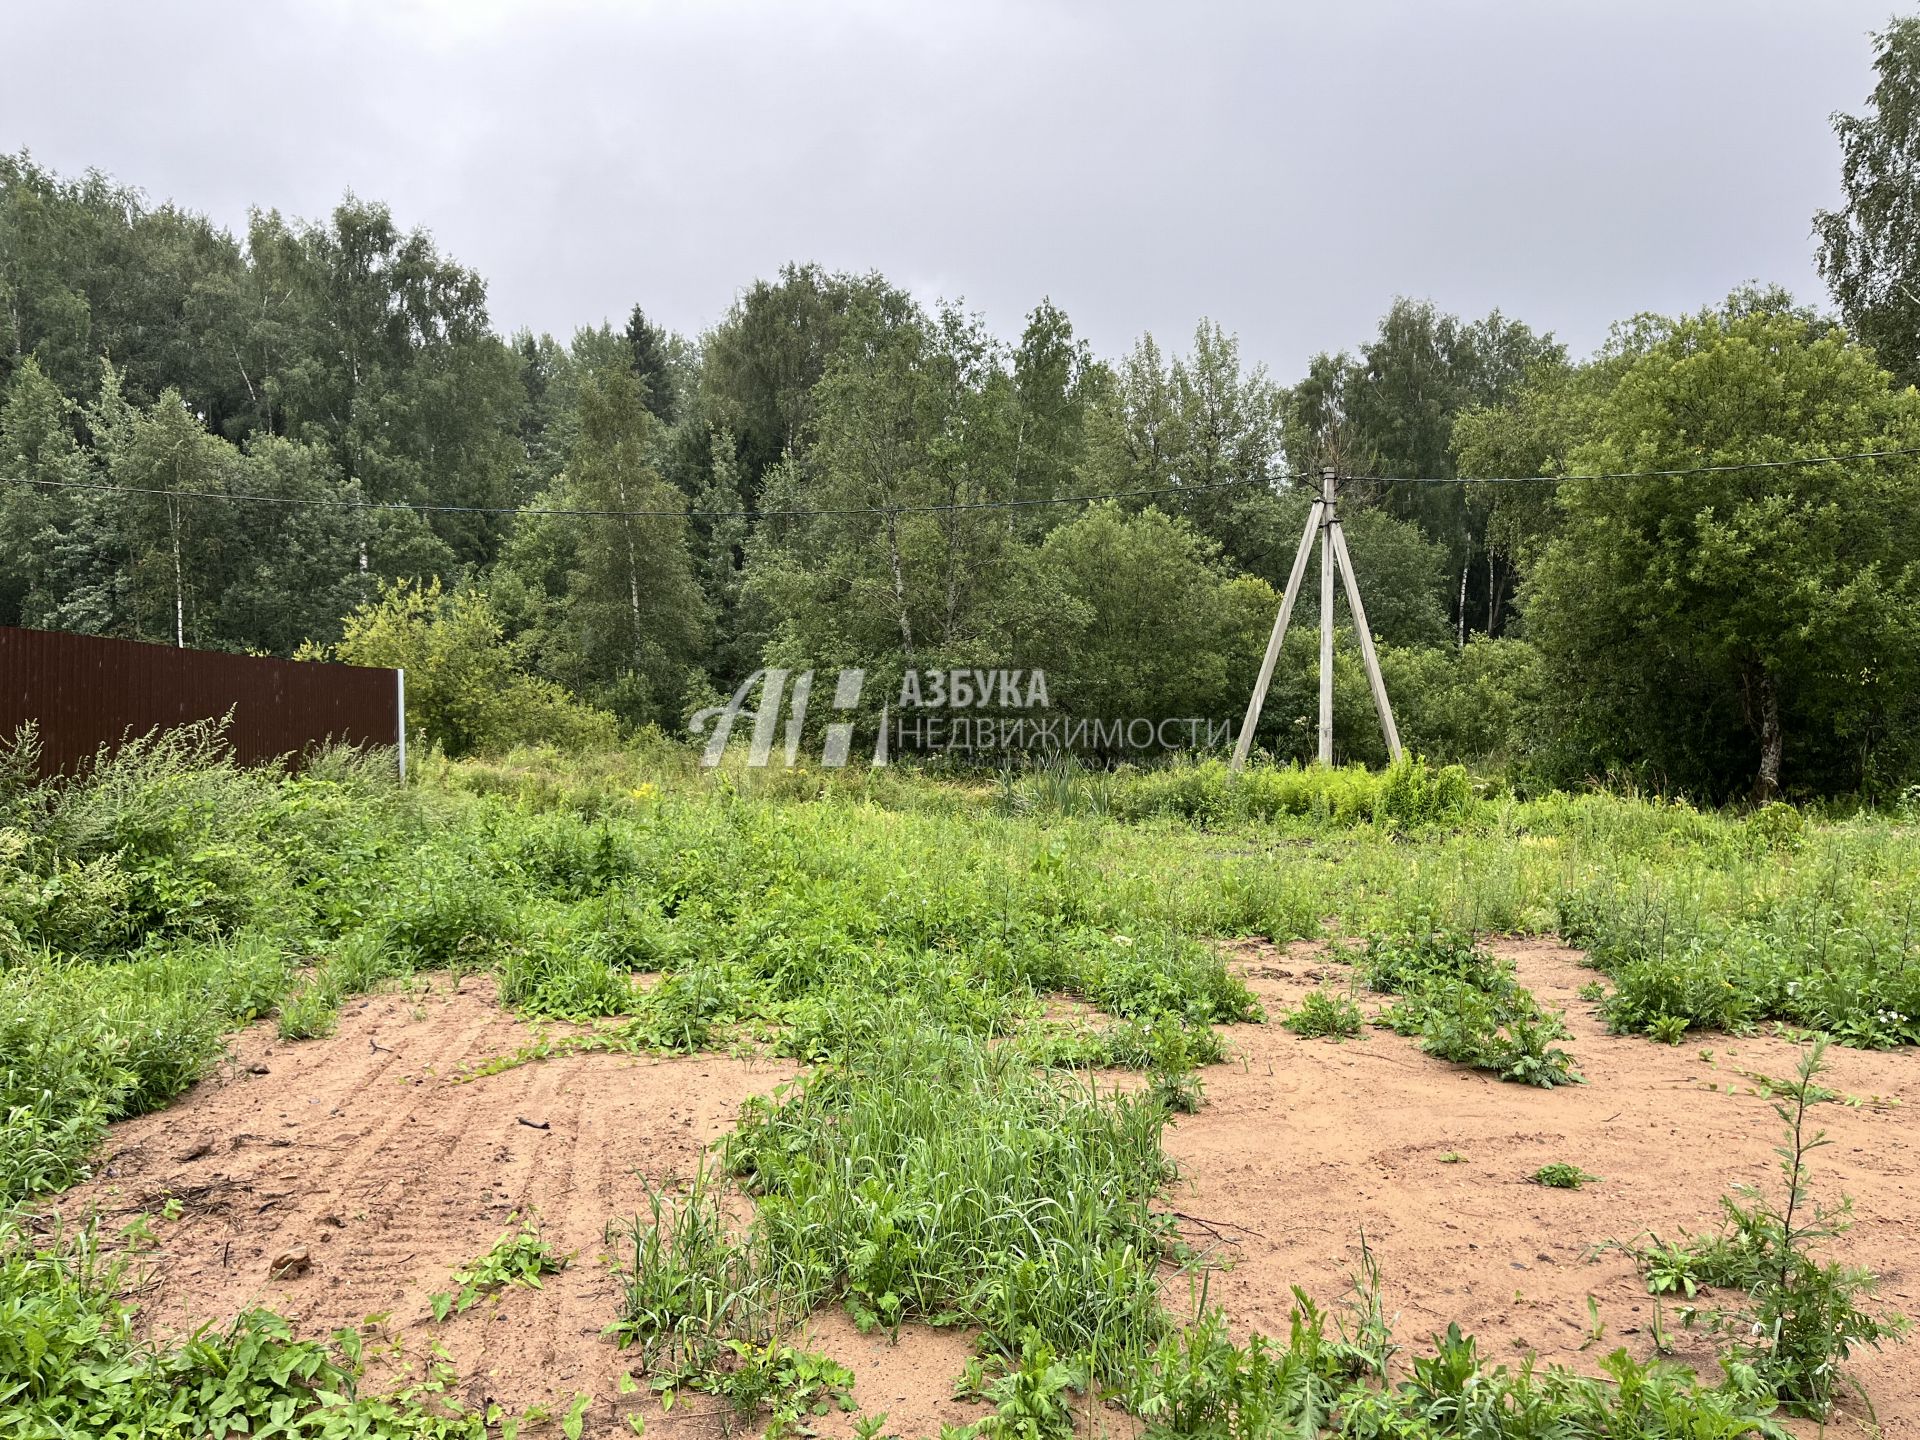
(170, 896)
(934, 1177)
(896, 931)
(1406, 793)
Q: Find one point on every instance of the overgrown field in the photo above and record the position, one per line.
(945, 1158)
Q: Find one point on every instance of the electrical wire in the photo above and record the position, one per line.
(1727, 469)
(329, 502)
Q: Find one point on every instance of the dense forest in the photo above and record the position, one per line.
(310, 440)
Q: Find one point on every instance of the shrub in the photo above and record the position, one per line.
(465, 693)
(162, 836)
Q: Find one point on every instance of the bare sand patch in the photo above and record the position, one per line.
(1302, 1145)
(363, 1149)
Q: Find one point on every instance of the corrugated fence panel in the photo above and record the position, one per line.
(84, 692)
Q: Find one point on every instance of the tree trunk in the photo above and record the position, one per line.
(179, 580)
(953, 588)
(1493, 595)
(1766, 785)
(633, 594)
(1466, 561)
(899, 585)
(633, 565)
(1019, 450)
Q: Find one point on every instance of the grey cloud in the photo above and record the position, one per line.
(1285, 169)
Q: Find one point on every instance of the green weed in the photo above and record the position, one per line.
(686, 1287)
(520, 1258)
(1033, 1397)
(937, 1178)
(1562, 1176)
(792, 1387)
(1325, 1013)
(947, 1158)
(1802, 1315)
(72, 1362)
(1466, 1007)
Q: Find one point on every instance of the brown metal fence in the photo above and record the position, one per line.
(84, 692)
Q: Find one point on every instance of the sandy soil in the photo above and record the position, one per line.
(361, 1148)
(1304, 1144)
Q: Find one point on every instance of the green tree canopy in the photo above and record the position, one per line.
(607, 603)
(1205, 428)
(1141, 621)
(1392, 411)
(915, 412)
(1756, 623)
(1870, 246)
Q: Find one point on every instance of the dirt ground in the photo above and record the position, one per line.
(1304, 1144)
(362, 1149)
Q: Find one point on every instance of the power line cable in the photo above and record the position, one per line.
(1726, 469)
(329, 502)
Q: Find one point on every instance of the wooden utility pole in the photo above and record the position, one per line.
(1326, 617)
(1375, 680)
(1324, 519)
(1267, 663)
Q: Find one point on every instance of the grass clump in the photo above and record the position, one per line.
(1824, 939)
(1407, 793)
(687, 1286)
(309, 1013)
(937, 1178)
(1200, 1383)
(1465, 1006)
(1163, 975)
(1325, 1013)
(1163, 1044)
(945, 1180)
(1505, 1033)
(551, 980)
(83, 1044)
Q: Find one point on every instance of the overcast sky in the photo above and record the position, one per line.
(1286, 169)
